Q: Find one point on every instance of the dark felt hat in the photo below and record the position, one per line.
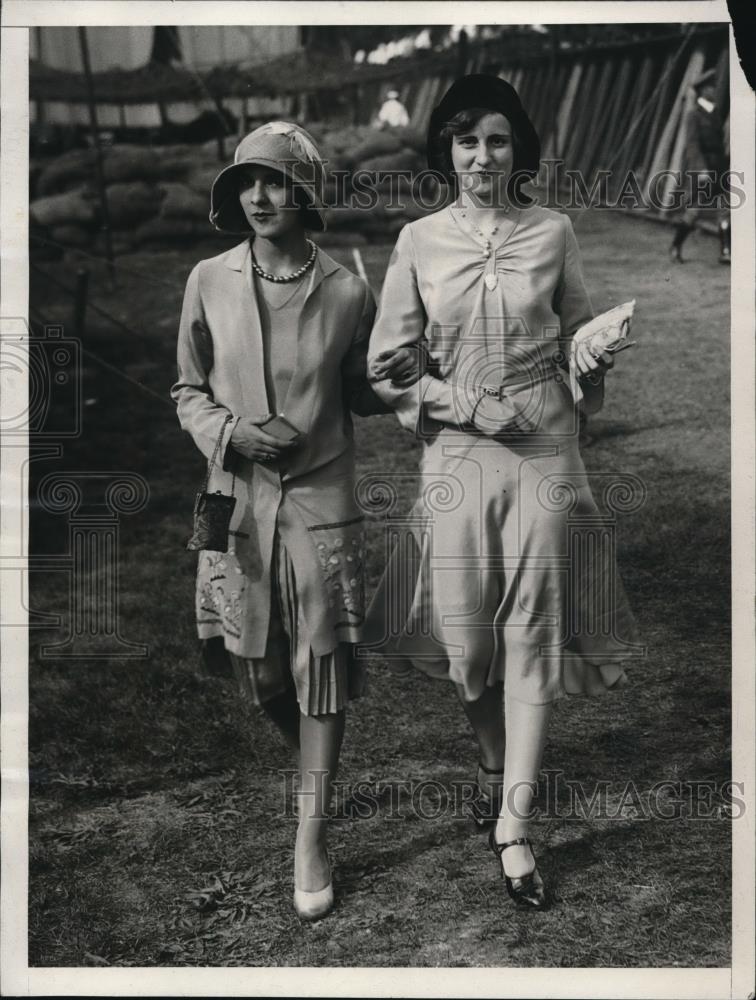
(480, 90)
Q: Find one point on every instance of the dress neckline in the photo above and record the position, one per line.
(453, 211)
(269, 293)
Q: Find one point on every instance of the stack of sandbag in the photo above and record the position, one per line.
(161, 195)
(154, 195)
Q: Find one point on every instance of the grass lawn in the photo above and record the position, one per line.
(160, 823)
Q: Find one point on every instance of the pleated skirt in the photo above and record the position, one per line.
(323, 684)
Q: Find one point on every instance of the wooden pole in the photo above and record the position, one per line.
(98, 153)
(638, 119)
(612, 122)
(599, 110)
(663, 109)
(581, 117)
(664, 149)
(555, 94)
(566, 119)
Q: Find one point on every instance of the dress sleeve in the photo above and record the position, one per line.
(571, 303)
(573, 306)
(198, 412)
(401, 322)
(358, 392)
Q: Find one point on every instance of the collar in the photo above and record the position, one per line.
(238, 259)
(705, 104)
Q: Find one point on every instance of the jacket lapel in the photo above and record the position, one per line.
(248, 331)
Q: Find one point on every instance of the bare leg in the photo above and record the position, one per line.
(320, 739)
(526, 727)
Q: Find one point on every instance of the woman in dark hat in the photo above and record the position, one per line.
(271, 364)
(498, 600)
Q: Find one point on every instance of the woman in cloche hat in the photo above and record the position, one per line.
(505, 586)
(271, 364)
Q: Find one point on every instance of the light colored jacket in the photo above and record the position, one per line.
(309, 496)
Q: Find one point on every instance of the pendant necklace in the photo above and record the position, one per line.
(491, 278)
(487, 238)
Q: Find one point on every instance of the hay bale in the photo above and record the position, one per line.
(377, 145)
(403, 159)
(412, 138)
(180, 202)
(179, 162)
(66, 171)
(120, 164)
(131, 203)
(72, 236)
(201, 180)
(130, 163)
(121, 243)
(70, 208)
(168, 232)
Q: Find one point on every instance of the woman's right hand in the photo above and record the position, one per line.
(250, 439)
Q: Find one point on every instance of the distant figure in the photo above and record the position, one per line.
(392, 113)
(705, 155)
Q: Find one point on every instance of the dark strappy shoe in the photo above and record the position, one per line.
(482, 809)
(527, 890)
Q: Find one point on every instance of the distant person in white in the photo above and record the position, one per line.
(392, 113)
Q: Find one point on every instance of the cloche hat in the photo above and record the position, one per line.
(281, 146)
(480, 90)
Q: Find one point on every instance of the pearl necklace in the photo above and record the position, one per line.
(282, 278)
(486, 238)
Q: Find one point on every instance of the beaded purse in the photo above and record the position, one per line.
(212, 511)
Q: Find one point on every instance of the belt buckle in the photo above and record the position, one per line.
(496, 392)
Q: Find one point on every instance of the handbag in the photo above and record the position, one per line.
(212, 511)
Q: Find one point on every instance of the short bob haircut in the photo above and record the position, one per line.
(461, 108)
(464, 122)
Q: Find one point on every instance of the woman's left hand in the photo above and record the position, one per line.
(598, 363)
(592, 362)
(403, 366)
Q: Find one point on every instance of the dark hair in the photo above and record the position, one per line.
(460, 124)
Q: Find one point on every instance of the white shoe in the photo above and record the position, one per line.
(313, 905)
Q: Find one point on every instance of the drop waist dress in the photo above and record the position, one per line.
(287, 597)
(504, 570)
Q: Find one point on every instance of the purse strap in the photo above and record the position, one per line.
(214, 457)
